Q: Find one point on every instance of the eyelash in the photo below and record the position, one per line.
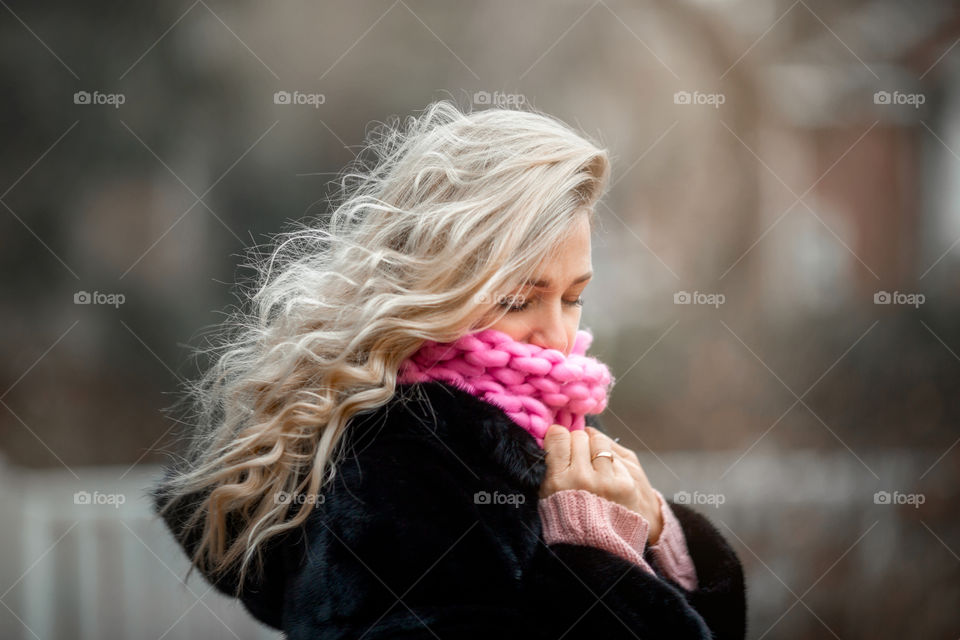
(573, 303)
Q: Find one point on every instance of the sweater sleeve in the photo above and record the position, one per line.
(578, 516)
(671, 552)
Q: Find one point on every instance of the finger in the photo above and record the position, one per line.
(556, 443)
(598, 443)
(620, 469)
(629, 456)
(635, 470)
(628, 461)
(625, 455)
(580, 448)
(600, 438)
(622, 450)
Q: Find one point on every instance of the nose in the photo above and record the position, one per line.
(550, 333)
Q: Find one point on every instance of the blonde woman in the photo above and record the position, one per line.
(398, 437)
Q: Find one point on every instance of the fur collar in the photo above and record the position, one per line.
(469, 427)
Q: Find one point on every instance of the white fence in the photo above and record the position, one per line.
(100, 565)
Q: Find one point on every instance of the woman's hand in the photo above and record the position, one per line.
(620, 479)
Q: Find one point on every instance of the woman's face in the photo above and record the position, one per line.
(546, 312)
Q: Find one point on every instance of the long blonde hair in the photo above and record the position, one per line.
(438, 219)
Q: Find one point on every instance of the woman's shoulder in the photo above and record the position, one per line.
(403, 510)
(427, 459)
(449, 426)
(422, 409)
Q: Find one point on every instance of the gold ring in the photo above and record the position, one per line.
(602, 454)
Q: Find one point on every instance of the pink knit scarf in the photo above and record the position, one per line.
(536, 387)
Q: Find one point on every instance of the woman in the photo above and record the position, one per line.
(399, 438)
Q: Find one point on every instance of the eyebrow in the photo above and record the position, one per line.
(545, 284)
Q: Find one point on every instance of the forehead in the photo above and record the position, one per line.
(570, 260)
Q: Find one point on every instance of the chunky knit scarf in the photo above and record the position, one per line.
(536, 387)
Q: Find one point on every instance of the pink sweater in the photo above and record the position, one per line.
(577, 516)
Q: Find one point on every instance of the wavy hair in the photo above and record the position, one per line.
(440, 217)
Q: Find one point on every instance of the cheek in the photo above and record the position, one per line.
(512, 326)
(576, 315)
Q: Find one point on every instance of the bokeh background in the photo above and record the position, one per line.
(777, 267)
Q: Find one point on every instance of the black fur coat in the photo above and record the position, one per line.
(430, 529)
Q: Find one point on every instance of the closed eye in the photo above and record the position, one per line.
(521, 306)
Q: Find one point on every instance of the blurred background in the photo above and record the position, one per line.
(777, 268)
